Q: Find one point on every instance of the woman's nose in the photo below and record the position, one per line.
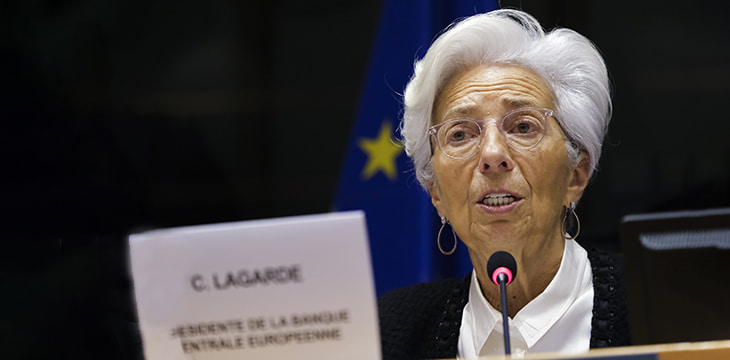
(495, 155)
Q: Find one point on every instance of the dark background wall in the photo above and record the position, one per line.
(121, 115)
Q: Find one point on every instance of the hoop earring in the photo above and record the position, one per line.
(438, 239)
(570, 212)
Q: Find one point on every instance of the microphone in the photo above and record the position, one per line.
(502, 269)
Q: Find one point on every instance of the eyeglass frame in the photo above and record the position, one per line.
(545, 112)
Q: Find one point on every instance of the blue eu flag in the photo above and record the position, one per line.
(378, 176)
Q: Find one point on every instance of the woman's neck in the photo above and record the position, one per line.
(536, 268)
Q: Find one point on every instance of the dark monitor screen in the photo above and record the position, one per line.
(677, 271)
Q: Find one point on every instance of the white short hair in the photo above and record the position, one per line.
(567, 61)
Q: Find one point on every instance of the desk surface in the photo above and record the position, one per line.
(709, 350)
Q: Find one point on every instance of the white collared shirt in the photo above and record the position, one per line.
(557, 320)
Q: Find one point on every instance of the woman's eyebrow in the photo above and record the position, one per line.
(507, 102)
(510, 103)
(460, 110)
(518, 103)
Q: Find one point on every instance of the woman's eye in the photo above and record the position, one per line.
(524, 125)
(458, 136)
(460, 132)
(524, 128)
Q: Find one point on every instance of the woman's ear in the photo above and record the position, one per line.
(579, 178)
(435, 193)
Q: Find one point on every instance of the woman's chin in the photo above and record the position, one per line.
(499, 235)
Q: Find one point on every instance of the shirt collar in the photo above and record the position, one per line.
(536, 318)
(484, 318)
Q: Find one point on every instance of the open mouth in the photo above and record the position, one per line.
(498, 199)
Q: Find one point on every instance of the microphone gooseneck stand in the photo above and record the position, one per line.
(502, 278)
(502, 269)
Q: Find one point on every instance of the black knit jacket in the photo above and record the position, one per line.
(422, 321)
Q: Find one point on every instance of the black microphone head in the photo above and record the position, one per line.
(501, 262)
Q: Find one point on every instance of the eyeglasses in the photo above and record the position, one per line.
(522, 128)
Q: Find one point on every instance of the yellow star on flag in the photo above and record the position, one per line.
(382, 152)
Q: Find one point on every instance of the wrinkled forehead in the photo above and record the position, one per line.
(490, 91)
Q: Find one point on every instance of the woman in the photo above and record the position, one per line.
(504, 124)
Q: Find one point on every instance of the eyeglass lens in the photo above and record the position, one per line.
(523, 129)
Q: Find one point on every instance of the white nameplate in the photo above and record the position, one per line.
(289, 288)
